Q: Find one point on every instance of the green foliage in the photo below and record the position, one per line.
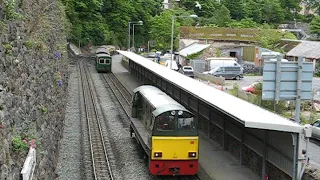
(44, 109)
(219, 52)
(279, 107)
(243, 23)
(234, 91)
(8, 48)
(28, 44)
(10, 11)
(315, 26)
(194, 56)
(269, 38)
(19, 144)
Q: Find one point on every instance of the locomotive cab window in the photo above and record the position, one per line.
(107, 61)
(186, 122)
(165, 122)
(101, 61)
(175, 123)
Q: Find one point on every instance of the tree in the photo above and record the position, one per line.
(161, 29)
(272, 12)
(315, 26)
(270, 38)
(244, 23)
(237, 8)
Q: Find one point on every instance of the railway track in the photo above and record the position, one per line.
(100, 160)
(121, 93)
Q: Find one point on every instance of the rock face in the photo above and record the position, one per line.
(33, 59)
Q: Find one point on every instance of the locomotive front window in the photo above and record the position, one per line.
(165, 122)
(186, 124)
(107, 61)
(101, 61)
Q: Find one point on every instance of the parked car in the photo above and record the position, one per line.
(251, 88)
(187, 70)
(315, 126)
(228, 72)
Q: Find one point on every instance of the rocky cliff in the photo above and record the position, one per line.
(33, 76)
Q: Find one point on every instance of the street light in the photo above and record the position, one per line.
(139, 24)
(172, 29)
(133, 22)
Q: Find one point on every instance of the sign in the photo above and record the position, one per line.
(29, 165)
(282, 80)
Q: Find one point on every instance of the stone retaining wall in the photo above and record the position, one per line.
(33, 85)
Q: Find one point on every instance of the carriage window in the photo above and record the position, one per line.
(101, 61)
(165, 122)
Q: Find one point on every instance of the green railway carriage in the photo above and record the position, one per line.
(103, 63)
(103, 60)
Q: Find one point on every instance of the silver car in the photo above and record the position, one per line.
(316, 129)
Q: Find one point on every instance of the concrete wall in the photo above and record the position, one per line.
(212, 79)
(32, 104)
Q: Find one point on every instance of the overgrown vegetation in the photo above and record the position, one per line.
(106, 22)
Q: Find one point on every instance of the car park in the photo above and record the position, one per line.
(187, 70)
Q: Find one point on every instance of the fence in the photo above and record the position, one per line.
(198, 65)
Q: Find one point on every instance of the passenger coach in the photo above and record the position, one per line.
(166, 130)
(103, 60)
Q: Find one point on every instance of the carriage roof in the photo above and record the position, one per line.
(101, 50)
(159, 100)
(103, 55)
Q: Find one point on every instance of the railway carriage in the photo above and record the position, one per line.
(103, 60)
(166, 130)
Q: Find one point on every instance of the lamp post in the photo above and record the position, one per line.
(133, 22)
(139, 24)
(172, 30)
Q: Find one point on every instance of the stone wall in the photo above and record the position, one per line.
(33, 63)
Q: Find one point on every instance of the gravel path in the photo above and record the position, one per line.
(128, 156)
(69, 166)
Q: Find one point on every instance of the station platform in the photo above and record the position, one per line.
(215, 163)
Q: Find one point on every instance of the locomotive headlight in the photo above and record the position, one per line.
(173, 113)
(180, 113)
(158, 154)
(192, 154)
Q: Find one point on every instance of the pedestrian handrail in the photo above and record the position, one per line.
(29, 165)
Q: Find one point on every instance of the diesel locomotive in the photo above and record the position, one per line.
(166, 130)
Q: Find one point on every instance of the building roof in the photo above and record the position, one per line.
(192, 49)
(250, 115)
(307, 49)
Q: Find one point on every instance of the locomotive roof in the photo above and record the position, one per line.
(159, 100)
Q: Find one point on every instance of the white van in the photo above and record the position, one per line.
(216, 63)
(174, 65)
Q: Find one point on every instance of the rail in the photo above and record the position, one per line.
(121, 93)
(100, 161)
